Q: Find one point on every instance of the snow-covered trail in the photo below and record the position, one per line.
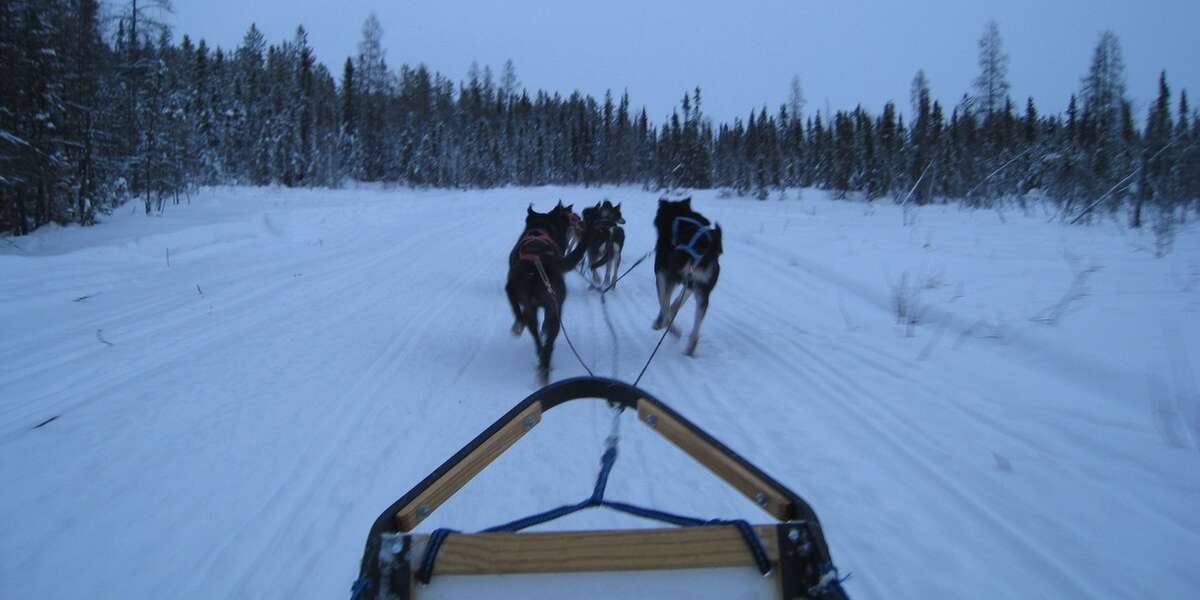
(307, 357)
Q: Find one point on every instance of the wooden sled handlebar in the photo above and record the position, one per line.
(447, 479)
(515, 552)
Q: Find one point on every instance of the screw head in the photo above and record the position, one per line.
(423, 510)
(793, 534)
(651, 420)
(528, 422)
(397, 548)
(760, 499)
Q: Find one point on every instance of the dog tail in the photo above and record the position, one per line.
(568, 262)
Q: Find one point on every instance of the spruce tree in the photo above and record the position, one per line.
(991, 86)
(1155, 177)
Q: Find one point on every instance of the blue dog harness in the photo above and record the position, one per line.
(702, 232)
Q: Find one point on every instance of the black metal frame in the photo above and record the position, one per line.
(801, 539)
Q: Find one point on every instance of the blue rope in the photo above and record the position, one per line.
(654, 515)
(597, 498)
(436, 539)
(607, 460)
(539, 518)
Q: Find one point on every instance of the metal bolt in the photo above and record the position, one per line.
(651, 420)
(397, 547)
(760, 499)
(794, 534)
(529, 422)
(423, 510)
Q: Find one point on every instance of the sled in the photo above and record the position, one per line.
(789, 551)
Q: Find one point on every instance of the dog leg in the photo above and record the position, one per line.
(615, 269)
(701, 309)
(530, 320)
(664, 297)
(518, 325)
(550, 327)
(678, 304)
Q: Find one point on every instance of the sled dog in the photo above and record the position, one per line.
(535, 279)
(686, 254)
(603, 221)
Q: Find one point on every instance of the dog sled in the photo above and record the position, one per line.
(785, 556)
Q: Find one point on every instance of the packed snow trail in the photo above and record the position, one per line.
(230, 424)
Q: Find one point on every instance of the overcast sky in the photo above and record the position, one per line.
(742, 54)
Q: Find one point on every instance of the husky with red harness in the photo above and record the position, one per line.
(535, 279)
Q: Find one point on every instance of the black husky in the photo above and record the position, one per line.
(603, 221)
(687, 253)
(535, 278)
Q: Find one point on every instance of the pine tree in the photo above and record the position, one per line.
(508, 81)
(1103, 97)
(918, 90)
(844, 164)
(991, 86)
(372, 85)
(1154, 184)
(922, 153)
(796, 101)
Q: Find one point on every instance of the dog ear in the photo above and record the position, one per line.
(529, 211)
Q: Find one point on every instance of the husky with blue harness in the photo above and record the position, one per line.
(686, 254)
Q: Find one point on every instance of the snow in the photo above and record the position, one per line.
(308, 356)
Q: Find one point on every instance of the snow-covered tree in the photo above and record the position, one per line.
(1104, 86)
(796, 101)
(917, 90)
(991, 86)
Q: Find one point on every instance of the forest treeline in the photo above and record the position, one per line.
(98, 109)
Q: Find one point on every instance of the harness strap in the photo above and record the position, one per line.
(702, 231)
(535, 236)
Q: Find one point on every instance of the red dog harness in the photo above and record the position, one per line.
(534, 243)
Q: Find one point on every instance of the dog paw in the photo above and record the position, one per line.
(656, 325)
(675, 331)
(518, 328)
(691, 349)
